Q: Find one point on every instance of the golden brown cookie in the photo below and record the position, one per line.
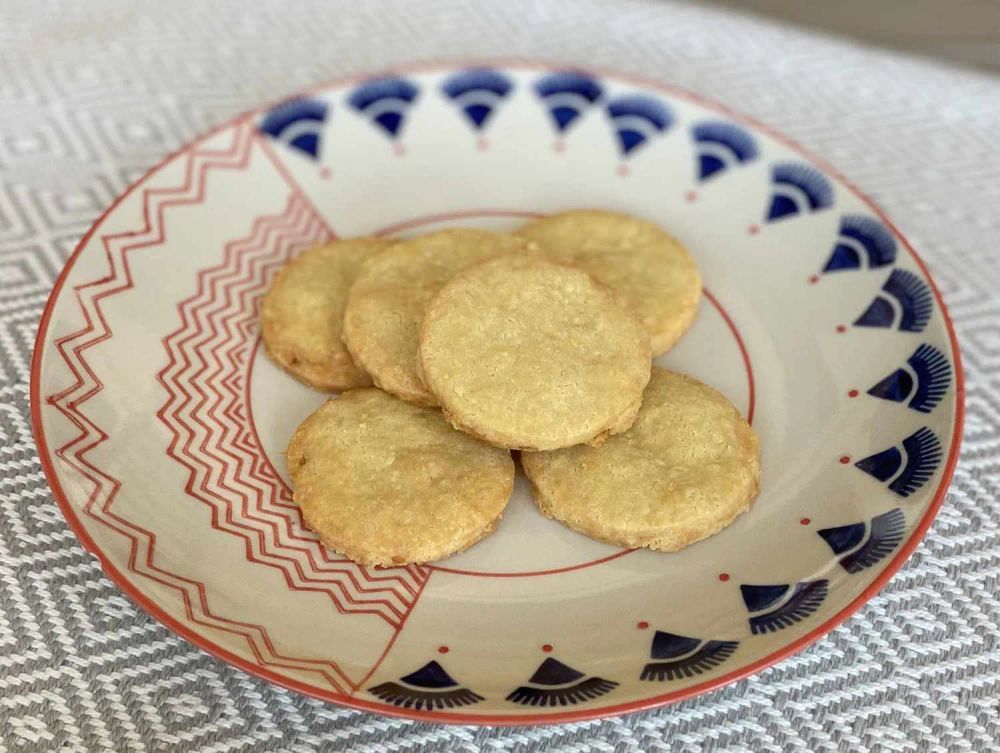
(385, 482)
(648, 270)
(387, 302)
(685, 470)
(303, 313)
(529, 354)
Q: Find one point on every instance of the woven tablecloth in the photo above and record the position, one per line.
(93, 93)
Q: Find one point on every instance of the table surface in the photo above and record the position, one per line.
(965, 31)
(94, 92)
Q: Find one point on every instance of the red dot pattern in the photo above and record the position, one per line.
(805, 521)
(442, 649)
(643, 625)
(723, 577)
(852, 393)
(547, 648)
(845, 459)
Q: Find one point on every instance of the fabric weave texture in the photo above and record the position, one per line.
(94, 92)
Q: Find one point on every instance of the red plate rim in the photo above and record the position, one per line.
(219, 652)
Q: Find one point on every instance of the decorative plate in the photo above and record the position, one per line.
(161, 424)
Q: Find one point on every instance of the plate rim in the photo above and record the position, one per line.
(422, 65)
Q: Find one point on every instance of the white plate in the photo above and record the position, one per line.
(161, 424)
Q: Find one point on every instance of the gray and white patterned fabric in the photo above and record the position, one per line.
(94, 92)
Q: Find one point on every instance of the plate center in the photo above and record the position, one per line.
(525, 544)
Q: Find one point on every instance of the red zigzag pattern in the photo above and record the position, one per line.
(208, 415)
(72, 347)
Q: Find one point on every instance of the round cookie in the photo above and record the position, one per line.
(529, 354)
(387, 302)
(385, 482)
(685, 470)
(649, 271)
(303, 312)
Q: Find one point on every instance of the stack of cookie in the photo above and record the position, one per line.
(479, 343)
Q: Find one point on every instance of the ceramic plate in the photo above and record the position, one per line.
(161, 423)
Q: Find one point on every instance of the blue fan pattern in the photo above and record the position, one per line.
(478, 93)
(923, 381)
(385, 102)
(677, 656)
(429, 687)
(796, 189)
(556, 684)
(861, 242)
(567, 95)
(884, 534)
(721, 146)
(905, 302)
(298, 124)
(636, 119)
(777, 607)
(906, 468)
